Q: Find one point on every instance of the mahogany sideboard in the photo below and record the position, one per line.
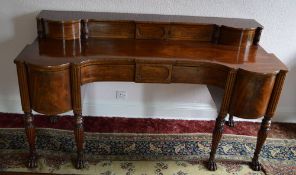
(76, 48)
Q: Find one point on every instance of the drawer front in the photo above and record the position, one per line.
(236, 37)
(99, 29)
(205, 74)
(67, 30)
(95, 72)
(151, 31)
(153, 73)
(191, 32)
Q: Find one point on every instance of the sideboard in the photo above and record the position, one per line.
(76, 48)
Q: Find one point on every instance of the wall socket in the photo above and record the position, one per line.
(121, 95)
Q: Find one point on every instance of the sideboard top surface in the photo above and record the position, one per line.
(52, 52)
(67, 16)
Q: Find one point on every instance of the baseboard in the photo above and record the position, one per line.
(187, 111)
(10, 106)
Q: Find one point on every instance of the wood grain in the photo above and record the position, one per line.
(50, 90)
(63, 30)
(153, 73)
(236, 37)
(204, 73)
(239, 32)
(23, 86)
(94, 72)
(191, 32)
(99, 29)
(251, 94)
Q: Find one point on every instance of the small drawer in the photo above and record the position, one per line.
(153, 73)
(63, 30)
(99, 29)
(236, 37)
(192, 32)
(97, 72)
(203, 73)
(151, 31)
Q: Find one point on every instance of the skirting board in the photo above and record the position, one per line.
(186, 111)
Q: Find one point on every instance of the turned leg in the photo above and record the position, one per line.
(79, 138)
(217, 134)
(230, 121)
(262, 135)
(31, 137)
(53, 119)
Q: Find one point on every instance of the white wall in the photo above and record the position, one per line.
(18, 28)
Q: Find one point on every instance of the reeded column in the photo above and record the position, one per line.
(217, 133)
(28, 117)
(31, 137)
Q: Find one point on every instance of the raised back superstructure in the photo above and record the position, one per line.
(74, 25)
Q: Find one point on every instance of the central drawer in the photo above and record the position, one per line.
(153, 73)
(151, 31)
(97, 72)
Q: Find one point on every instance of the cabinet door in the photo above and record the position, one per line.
(251, 94)
(50, 90)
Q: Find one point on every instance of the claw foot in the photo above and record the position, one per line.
(32, 162)
(80, 163)
(53, 119)
(255, 165)
(212, 166)
(230, 123)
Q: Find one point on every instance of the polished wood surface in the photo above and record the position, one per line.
(76, 48)
(51, 52)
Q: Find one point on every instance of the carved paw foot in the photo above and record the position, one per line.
(212, 166)
(32, 162)
(255, 165)
(80, 163)
(53, 119)
(230, 123)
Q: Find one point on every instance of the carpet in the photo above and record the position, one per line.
(147, 125)
(114, 151)
(56, 150)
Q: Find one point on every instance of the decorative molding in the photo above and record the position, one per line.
(257, 35)
(84, 29)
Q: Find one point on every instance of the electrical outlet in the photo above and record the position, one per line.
(121, 95)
